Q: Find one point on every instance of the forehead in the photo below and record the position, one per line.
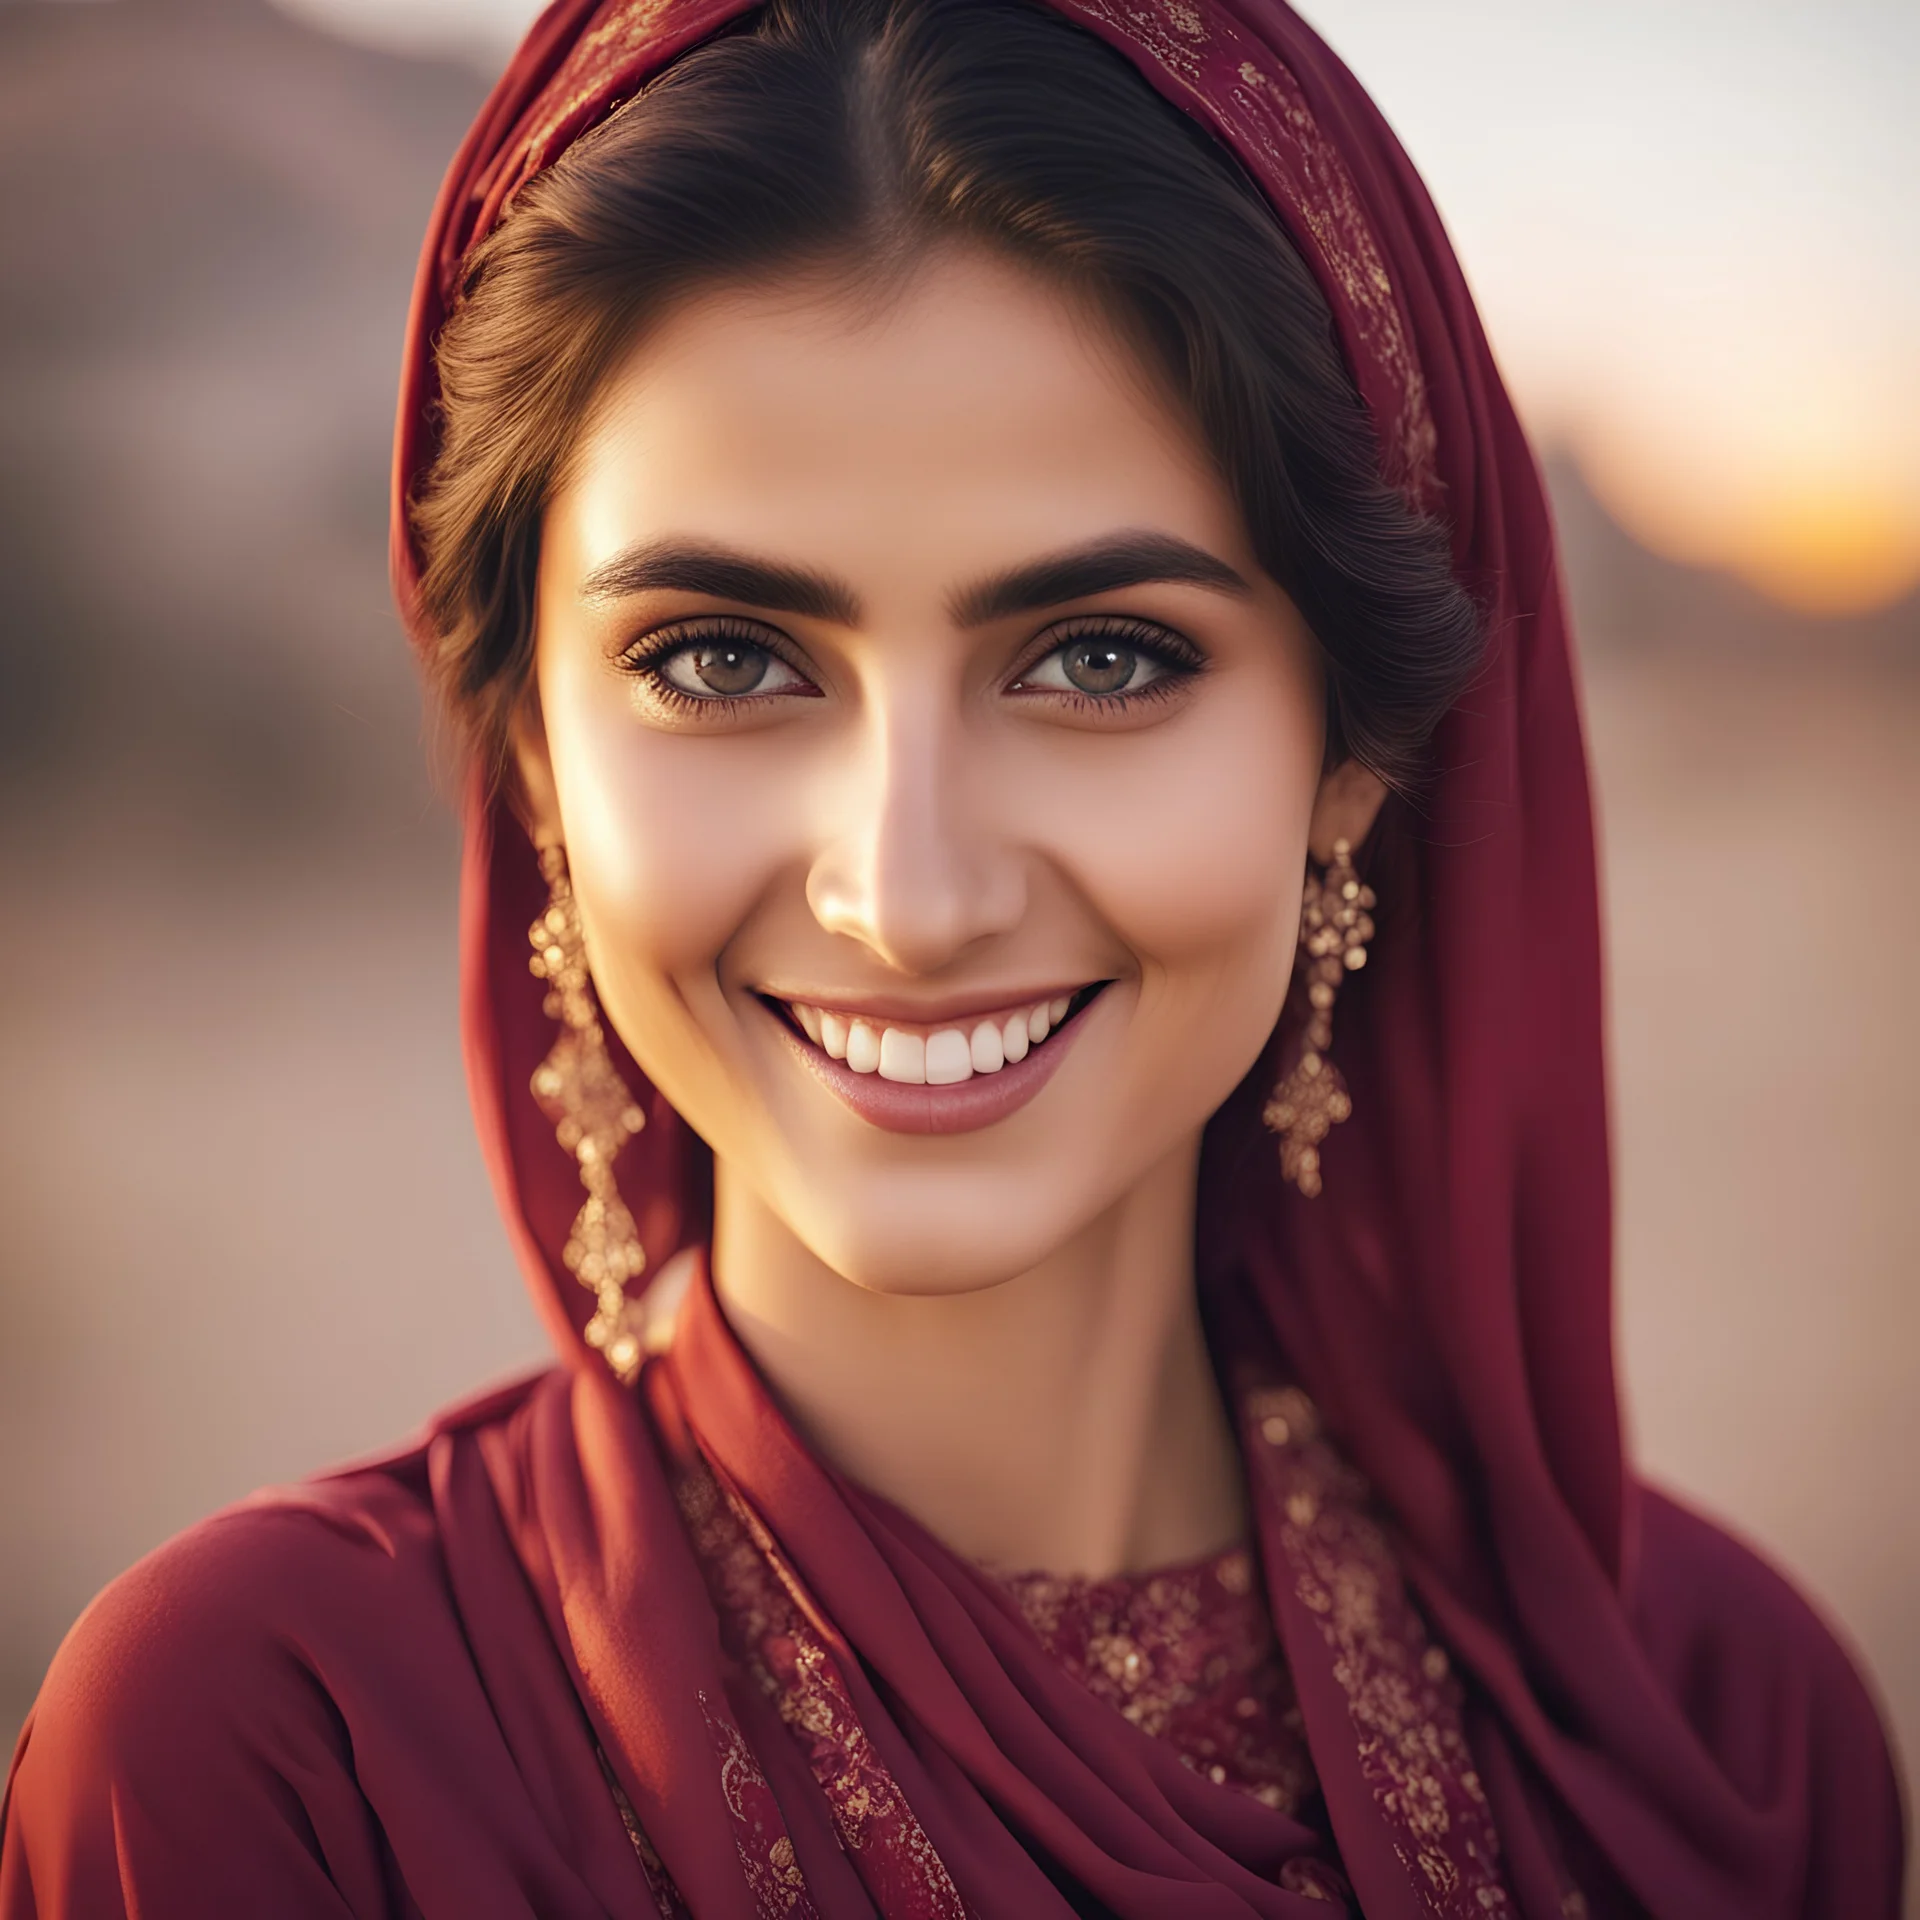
(973, 407)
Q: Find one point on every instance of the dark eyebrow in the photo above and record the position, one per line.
(688, 566)
(1101, 566)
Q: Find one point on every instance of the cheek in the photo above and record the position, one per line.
(1192, 851)
(671, 841)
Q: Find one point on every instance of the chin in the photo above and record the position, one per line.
(973, 1238)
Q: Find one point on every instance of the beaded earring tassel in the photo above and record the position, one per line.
(1335, 925)
(594, 1115)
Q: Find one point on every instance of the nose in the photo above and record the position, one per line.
(913, 865)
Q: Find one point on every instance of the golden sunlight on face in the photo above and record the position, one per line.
(933, 759)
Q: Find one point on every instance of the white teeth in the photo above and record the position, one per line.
(943, 1058)
(903, 1057)
(863, 1048)
(949, 1058)
(988, 1055)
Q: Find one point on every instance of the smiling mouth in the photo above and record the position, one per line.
(943, 1055)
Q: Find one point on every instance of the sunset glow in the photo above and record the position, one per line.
(1693, 229)
(1825, 521)
(1827, 549)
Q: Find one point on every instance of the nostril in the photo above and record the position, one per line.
(914, 888)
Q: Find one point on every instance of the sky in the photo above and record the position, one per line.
(1693, 227)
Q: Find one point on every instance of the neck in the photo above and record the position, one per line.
(1065, 1419)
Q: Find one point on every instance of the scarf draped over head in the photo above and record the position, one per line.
(1531, 1685)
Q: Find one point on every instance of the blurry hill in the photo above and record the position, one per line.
(1628, 598)
(208, 217)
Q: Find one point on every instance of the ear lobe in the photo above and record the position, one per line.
(1345, 808)
(532, 793)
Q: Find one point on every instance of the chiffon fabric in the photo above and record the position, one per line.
(590, 1650)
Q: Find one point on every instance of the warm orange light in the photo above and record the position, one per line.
(1834, 554)
(1829, 543)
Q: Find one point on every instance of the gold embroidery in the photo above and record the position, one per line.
(766, 1857)
(767, 1627)
(621, 34)
(1171, 1660)
(1323, 196)
(1402, 1698)
(1310, 1878)
(1172, 31)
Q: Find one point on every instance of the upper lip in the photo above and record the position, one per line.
(884, 1009)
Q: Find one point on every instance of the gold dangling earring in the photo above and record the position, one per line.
(1335, 926)
(580, 1090)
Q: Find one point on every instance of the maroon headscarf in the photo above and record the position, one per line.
(488, 1676)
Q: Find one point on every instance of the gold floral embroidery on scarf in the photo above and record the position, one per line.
(765, 1625)
(621, 34)
(1173, 32)
(1402, 1697)
(766, 1854)
(1330, 207)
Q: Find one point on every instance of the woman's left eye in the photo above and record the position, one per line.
(1103, 666)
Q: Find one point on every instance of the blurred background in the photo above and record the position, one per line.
(246, 1227)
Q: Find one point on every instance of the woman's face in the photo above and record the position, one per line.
(933, 759)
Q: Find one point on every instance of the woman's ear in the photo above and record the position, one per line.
(532, 794)
(1345, 808)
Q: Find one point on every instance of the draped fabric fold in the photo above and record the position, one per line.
(595, 1651)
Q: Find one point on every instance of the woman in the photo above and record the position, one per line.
(985, 570)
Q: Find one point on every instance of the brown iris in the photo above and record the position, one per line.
(728, 668)
(1098, 666)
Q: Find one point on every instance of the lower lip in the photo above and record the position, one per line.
(962, 1107)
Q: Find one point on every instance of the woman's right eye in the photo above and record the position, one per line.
(724, 669)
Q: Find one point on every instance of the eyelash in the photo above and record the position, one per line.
(1177, 656)
(1173, 652)
(646, 658)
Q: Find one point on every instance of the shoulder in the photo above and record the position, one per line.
(245, 1590)
(186, 1742)
(195, 1743)
(1711, 1608)
(282, 1598)
(1775, 1694)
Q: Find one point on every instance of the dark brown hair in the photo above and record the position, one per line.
(855, 134)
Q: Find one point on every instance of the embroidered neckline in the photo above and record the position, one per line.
(1187, 1654)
